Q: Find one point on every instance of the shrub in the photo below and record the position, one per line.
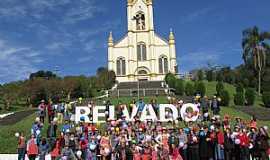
(179, 87)
(219, 87)
(266, 99)
(250, 96)
(200, 75)
(170, 80)
(200, 88)
(225, 98)
(189, 90)
(239, 99)
(239, 88)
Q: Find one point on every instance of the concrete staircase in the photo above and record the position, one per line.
(146, 88)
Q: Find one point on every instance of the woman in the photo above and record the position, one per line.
(21, 147)
(105, 148)
(55, 153)
(32, 148)
(43, 149)
(262, 142)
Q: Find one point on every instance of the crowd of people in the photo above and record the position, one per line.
(211, 137)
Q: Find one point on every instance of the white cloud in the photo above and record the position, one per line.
(85, 59)
(199, 59)
(196, 14)
(58, 45)
(16, 62)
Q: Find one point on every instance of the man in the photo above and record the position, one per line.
(215, 106)
(42, 110)
(140, 104)
(21, 147)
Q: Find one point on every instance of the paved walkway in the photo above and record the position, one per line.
(16, 117)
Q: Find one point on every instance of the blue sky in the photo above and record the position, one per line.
(72, 35)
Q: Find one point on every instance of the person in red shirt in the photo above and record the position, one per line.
(32, 148)
(21, 147)
(50, 112)
(55, 153)
(220, 145)
(244, 144)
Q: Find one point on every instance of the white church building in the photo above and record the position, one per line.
(141, 55)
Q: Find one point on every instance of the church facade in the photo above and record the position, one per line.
(141, 55)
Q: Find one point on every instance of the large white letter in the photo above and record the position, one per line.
(152, 115)
(162, 112)
(133, 113)
(96, 114)
(111, 112)
(82, 112)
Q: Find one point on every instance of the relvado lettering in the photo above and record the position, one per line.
(148, 113)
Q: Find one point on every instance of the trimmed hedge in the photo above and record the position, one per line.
(225, 98)
(179, 87)
(266, 99)
(200, 88)
(239, 99)
(189, 90)
(250, 96)
(219, 87)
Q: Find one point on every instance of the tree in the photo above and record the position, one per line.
(42, 74)
(250, 96)
(189, 90)
(9, 93)
(219, 87)
(170, 80)
(266, 99)
(240, 88)
(179, 87)
(225, 97)
(105, 78)
(239, 98)
(200, 75)
(200, 88)
(254, 50)
(210, 75)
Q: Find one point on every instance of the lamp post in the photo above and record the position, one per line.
(136, 18)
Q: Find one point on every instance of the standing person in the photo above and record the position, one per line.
(262, 142)
(32, 148)
(220, 145)
(140, 104)
(55, 153)
(183, 140)
(244, 144)
(105, 148)
(21, 147)
(193, 151)
(43, 149)
(42, 110)
(204, 106)
(215, 106)
(50, 111)
(51, 132)
(203, 144)
(228, 145)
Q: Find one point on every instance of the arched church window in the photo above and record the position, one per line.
(141, 52)
(163, 65)
(142, 72)
(121, 67)
(140, 21)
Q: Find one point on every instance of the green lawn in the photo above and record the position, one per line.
(8, 141)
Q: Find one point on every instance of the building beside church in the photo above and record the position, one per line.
(141, 54)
